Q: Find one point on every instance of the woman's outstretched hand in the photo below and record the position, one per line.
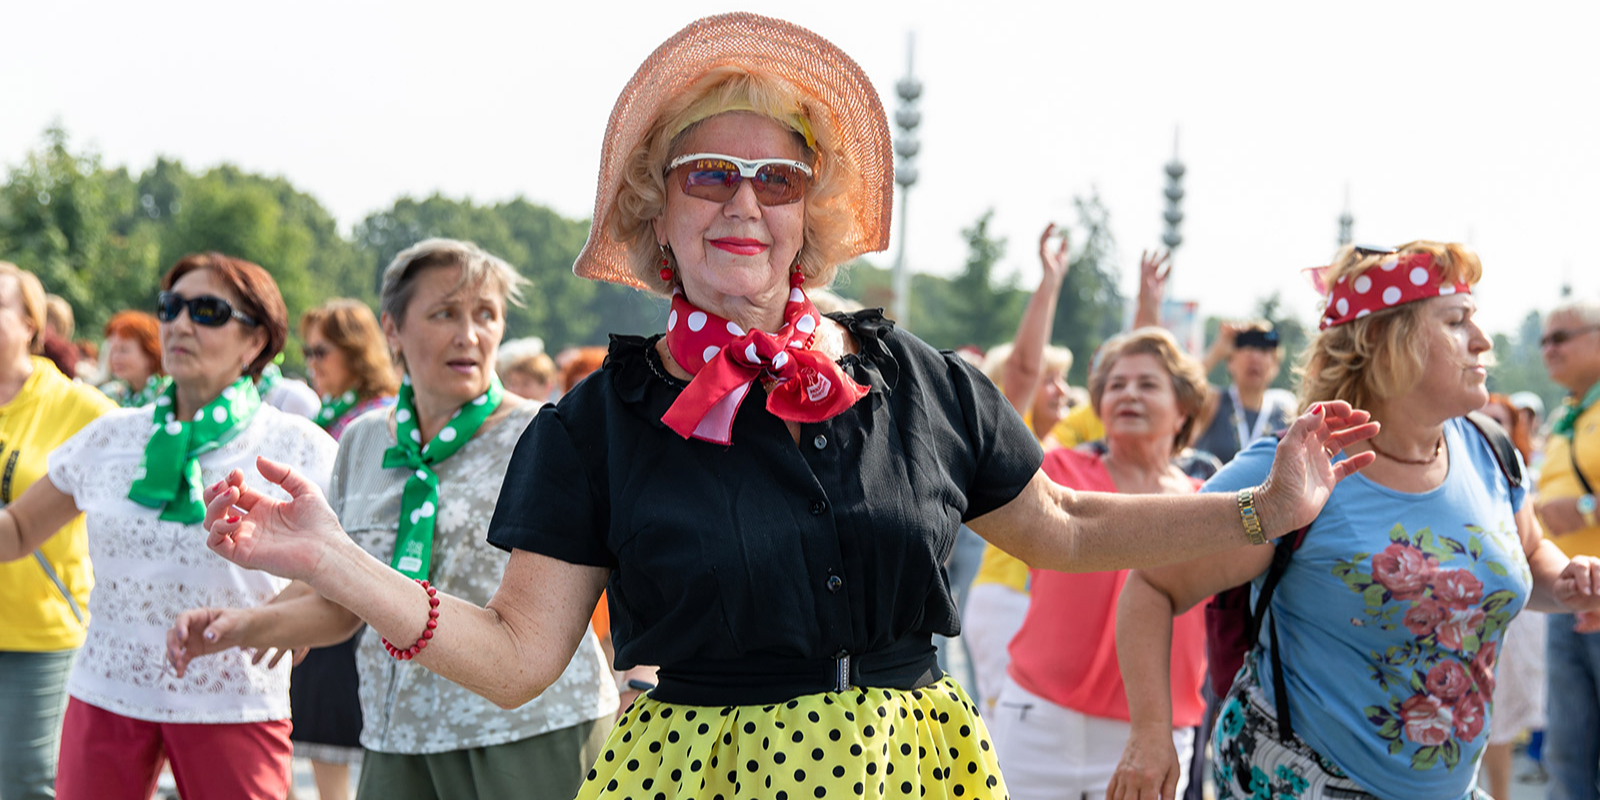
(1304, 473)
(286, 538)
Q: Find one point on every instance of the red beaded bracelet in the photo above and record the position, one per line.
(408, 653)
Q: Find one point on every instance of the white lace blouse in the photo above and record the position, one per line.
(148, 571)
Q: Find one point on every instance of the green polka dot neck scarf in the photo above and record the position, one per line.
(335, 407)
(1574, 408)
(169, 478)
(270, 376)
(419, 505)
(153, 387)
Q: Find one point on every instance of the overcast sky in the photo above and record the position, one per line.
(1450, 121)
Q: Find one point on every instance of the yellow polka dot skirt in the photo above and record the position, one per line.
(872, 743)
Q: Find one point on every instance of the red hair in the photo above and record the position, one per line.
(1519, 426)
(586, 361)
(143, 329)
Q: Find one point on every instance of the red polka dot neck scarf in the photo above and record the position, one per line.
(805, 386)
(1396, 280)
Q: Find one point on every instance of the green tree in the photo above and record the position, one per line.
(1518, 364)
(980, 310)
(1090, 307)
(66, 219)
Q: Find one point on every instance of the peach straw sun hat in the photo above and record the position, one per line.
(839, 103)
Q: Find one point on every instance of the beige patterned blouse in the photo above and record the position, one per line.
(407, 709)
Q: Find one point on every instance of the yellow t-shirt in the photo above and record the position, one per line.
(46, 412)
(1557, 481)
(1078, 426)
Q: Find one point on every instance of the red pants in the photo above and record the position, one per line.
(106, 756)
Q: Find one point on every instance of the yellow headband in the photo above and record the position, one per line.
(708, 107)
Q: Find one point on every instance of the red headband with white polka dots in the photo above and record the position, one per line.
(1394, 281)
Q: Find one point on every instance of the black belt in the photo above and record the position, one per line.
(910, 663)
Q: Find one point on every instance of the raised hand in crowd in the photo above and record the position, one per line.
(1154, 270)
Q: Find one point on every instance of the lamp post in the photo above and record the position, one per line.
(906, 145)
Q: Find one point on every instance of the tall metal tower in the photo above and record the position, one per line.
(1346, 221)
(1174, 192)
(907, 117)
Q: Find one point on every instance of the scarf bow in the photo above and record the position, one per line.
(725, 360)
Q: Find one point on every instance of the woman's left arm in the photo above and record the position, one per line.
(1560, 585)
(1051, 527)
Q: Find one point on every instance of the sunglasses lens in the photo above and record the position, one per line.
(210, 311)
(779, 184)
(168, 306)
(710, 179)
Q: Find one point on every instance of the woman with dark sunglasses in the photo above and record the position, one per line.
(136, 474)
(766, 493)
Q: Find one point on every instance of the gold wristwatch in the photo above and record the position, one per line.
(1248, 515)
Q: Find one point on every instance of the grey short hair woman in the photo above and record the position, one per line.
(414, 487)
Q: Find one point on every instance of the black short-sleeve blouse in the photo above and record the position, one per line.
(764, 548)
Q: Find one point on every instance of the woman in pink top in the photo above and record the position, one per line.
(1061, 720)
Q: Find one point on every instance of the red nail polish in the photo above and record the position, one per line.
(1316, 408)
(232, 519)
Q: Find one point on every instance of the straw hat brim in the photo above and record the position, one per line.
(832, 82)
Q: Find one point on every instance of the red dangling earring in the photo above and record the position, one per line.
(666, 265)
(796, 277)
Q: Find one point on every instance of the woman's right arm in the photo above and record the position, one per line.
(37, 515)
(1150, 599)
(508, 651)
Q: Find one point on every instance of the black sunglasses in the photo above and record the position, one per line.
(1561, 337)
(207, 310)
(1260, 340)
(1370, 250)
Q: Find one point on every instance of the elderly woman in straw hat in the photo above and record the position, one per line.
(766, 492)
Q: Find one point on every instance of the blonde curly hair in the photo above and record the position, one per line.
(1376, 356)
(642, 196)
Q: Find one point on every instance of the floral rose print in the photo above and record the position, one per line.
(1428, 720)
(1469, 715)
(1429, 586)
(1448, 680)
(1457, 588)
(1404, 570)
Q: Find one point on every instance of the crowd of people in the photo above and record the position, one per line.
(716, 562)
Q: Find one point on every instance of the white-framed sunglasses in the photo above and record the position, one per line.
(716, 177)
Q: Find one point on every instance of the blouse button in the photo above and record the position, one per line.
(820, 442)
(818, 507)
(834, 582)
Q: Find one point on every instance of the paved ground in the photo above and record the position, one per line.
(305, 789)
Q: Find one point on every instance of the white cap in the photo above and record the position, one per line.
(1528, 401)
